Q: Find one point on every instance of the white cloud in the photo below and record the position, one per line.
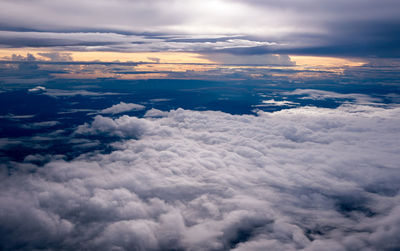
(37, 89)
(273, 102)
(122, 107)
(306, 178)
(314, 94)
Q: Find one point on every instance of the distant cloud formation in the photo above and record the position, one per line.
(263, 59)
(122, 107)
(313, 94)
(57, 56)
(303, 178)
(37, 89)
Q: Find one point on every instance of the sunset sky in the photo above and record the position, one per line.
(199, 125)
(286, 33)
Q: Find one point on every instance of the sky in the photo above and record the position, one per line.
(219, 31)
(307, 27)
(199, 125)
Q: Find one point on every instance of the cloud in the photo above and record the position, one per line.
(303, 178)
(57, 56)
(66, 93)
(121, 127)
(37, 89)
(40, 124)
(157, 60)
(29, 57)
(154, 113)
(122, 107)
(356, 29)
(12, 116)
(249, 59)
(273, 102)
(314, 94)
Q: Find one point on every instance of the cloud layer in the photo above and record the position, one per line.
(316, 27)
(304, 178)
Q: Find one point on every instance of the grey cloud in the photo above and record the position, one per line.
(157, 60)
(40, 124)
(341, 28)
(48, 39)
(110, 41)
(63, 93)
(361, 99)
(305, 178)
(57, 56)
(260, 59)
(29, 57)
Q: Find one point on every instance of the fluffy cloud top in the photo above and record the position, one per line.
(305, 178)
(122, 107)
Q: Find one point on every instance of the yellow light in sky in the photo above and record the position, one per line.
(171, 57)
(107, 56)
(171, 62)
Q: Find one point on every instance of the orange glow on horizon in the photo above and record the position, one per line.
(168, 57)
(107, 56)
(159, 64)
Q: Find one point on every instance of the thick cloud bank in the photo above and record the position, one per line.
(298, 179)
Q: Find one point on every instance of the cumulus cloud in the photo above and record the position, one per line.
(153, 113)
(303, 178)
(122, 107)
(121, 127)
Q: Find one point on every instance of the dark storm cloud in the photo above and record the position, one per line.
(336, 28)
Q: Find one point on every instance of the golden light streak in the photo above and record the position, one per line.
(106, 56)
(97, 74)
(158, 64)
